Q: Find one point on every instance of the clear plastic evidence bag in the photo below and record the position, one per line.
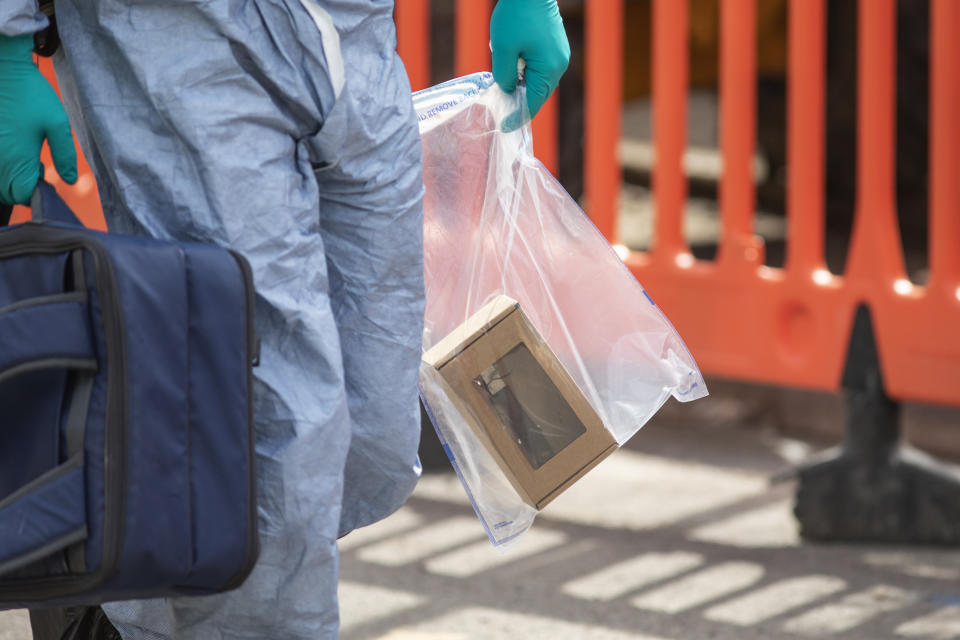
(541, 352)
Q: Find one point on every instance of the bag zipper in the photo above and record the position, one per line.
(253, 358)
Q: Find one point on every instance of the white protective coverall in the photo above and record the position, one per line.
(283, 129)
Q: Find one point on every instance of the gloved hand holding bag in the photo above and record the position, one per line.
(531, 30)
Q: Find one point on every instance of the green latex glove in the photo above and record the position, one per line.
(532, 30)
(29, 112)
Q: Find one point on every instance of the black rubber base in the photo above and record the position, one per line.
(906, 497)
(874, 489)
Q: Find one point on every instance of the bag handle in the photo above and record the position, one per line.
(46, 332)
(47, 204)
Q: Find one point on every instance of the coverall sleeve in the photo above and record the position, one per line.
(18, 17)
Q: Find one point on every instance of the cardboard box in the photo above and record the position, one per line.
(520, 401)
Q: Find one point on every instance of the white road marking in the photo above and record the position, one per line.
(942, 624)
(360, 603)
(626, 491)
(421, 543)
(622, 578)
(476, 623)
(15, 625)
(850, 612)
(701, 587)
(775, 599)
(482, 556)
(403, 634)
(919, 564)
(561, 555)
(400, 521)
(770, 526)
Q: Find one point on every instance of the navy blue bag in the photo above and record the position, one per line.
(126, 434)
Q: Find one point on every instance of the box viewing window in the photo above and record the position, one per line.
(532, 411)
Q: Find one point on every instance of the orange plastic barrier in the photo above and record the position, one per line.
(740, 318)
(791, 326)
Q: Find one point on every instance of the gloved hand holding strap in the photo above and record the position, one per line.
(30, 111)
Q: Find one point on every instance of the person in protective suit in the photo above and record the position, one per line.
(283, 129)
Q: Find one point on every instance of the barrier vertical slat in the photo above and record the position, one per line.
(944, 145)
(472, 36)
(875, 251)
(603, 113)
(737, 129)
(805, 136)
(413, 40)
(669, 125)
(545, 127)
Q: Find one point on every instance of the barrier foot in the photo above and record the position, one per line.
(873, 488)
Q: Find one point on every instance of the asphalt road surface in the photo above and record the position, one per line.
(680, 536)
